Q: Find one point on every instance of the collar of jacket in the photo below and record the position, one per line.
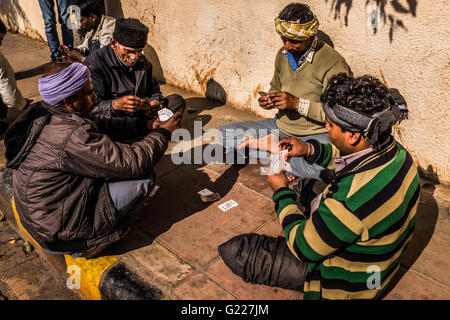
(371, 160)
(309, 54)
(23, 133)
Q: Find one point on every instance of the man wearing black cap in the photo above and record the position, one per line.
(122, 76)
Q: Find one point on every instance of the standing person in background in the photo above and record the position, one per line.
(48, 13)
(11, 100)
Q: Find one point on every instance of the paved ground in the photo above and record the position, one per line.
(174, 244)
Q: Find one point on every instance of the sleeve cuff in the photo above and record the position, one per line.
(303, 106)
(164, 132)
(316, 151)
(282, 191)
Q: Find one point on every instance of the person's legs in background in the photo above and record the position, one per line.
(48, 13)
(63, 15)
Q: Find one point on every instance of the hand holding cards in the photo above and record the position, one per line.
(278, 163)
(264, 100)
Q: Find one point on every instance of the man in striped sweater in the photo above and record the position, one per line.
(350, 239)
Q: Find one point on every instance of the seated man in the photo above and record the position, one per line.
(11, 100)
(303, 67)
(122, 76)
(347, 243)
(75, 189)
(96, 28)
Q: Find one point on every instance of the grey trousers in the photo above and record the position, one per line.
(233, 135)
(128, 197)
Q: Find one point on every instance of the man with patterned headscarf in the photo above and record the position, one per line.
(303, 67)
(75, 188)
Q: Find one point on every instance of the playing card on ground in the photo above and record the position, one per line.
(228, 205)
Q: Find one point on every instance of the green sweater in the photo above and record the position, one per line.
(307, 82)
(362, 224)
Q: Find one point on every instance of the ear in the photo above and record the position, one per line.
(67, 105)
(93, 17)
(354, 138)
(113, 43)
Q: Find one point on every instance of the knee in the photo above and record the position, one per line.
(176, 101)
(226, 134)
(50, 26)
(148, 184)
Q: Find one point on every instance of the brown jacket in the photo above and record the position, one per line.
(62, 164)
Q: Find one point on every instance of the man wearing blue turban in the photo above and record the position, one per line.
(76, 189)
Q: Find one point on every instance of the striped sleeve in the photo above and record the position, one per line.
(323, 154)
(329, 229)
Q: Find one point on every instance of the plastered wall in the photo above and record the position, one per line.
(403, 42)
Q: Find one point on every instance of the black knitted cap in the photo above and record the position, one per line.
(130, 33)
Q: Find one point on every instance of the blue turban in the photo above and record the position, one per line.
(64, 84)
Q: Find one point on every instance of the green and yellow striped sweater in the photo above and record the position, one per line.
(363, 224)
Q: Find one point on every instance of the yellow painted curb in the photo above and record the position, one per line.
(21, 227)
(89, 271)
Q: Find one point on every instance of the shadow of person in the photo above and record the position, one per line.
(31, 72)
(325, 38)
(192, 114)
(175, 200)
(426, 218)
(113, 8)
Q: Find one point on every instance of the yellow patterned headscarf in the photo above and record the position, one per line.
(297, 31)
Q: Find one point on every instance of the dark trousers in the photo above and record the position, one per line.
(261, 259)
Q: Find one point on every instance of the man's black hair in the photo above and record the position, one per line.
(296, 11)
(365, 94)
(54, 68)
(2, 28)
(88, 7)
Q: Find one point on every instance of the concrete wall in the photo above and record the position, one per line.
(234, 43)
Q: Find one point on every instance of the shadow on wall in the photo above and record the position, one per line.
(377, 11)
(325, 38)
(426, 219)
(113, 8)
(152, 56)
(13, 12)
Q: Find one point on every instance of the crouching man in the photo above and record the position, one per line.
(348, 241)
(76, 190)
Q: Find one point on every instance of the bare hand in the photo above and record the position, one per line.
(296, 147)
(72, 54)
(153, 124)
(277, 181)
(284, 101)
(75, 56)
(172, 124)
(127, 103)
(265, 103)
